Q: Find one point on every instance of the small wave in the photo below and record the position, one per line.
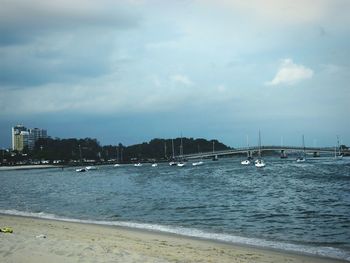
(324, 251)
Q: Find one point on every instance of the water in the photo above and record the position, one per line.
(302, 207)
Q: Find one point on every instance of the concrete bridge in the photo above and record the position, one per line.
(254, 150)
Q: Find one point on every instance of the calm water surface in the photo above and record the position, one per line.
(287, 205)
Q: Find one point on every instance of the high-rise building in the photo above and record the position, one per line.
(38, 133)
(23, 137)
(17, 139)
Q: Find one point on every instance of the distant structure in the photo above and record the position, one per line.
(23, 137)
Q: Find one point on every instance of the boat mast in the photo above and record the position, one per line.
(165, 155)
(181, 148)
(259, 145)
(335, 151)
(81, 160)
(117, 148)
(172, 146)
(248, 146)
(304, 146)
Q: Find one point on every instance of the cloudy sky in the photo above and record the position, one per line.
(132, 70)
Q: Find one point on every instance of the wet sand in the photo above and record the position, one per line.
(29, 167)
(41, 240)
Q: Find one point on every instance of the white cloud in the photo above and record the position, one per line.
(290, 73)
(181, 79)
(290, 11)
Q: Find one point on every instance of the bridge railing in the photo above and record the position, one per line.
(256, 148)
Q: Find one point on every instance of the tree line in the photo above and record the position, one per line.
(88, 149)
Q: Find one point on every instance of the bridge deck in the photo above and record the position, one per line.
(286, 149)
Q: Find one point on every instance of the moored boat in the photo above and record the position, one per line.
(245, 162)
(91, 168)
(259, 163)
(197, 163)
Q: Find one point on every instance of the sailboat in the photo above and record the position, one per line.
(172, 162)
(336, 149)
(198, 162)
(247, 161)
(259, 163)
(215, 157)
(117, 153)
(80, 170)
(302, 159)
(182, 162)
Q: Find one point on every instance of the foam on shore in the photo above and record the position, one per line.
(328, 252)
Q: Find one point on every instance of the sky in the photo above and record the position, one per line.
(131, 70)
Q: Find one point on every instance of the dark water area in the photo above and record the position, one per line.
(302, 207)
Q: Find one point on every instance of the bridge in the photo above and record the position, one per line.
(254, 150)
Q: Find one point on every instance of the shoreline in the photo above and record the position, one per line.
(71, 242)
(29, 167)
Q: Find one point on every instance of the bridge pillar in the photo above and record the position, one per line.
(316, 154)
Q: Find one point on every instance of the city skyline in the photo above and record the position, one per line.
(33, 134)
(23, 137)
(133, 70)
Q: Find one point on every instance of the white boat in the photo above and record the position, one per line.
(197, 163)
(91, 168)
(154, 164)
(181, 164)
(300, 160)
(260, 163)
(117, 165)
(138, 164)
(80, 170)
(172, 163)
(245, 162)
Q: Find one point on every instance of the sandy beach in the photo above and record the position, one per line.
(29, 167)
(41, 240)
